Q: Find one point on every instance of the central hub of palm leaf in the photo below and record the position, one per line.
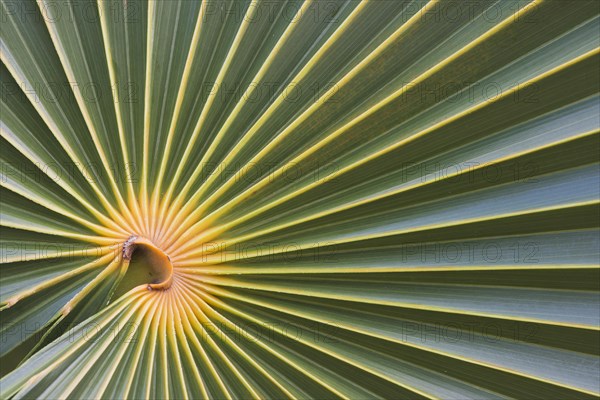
(147, 264)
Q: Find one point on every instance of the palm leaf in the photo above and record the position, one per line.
(318, 199)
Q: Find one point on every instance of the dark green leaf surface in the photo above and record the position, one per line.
(357, 199)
